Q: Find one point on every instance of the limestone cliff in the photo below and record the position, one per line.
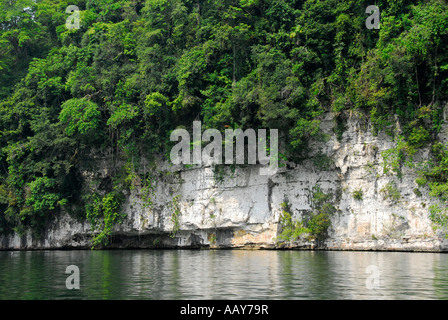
(237, 208)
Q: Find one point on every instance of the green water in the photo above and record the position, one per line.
(227, 274)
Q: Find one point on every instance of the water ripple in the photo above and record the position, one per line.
(203, 274)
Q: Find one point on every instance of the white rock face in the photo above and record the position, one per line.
(240, 208)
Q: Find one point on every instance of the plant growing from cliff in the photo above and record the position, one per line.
(322, 161)
(391, 192)
(323, 209)
(212, 239)
(103, 214)
(395, 158)
(148, 190)
(340, 126)
(218, 173)
(146, 182)
(421, 181)
(438, 216)
(417, 192)
(437, 172)
(358, 194)
(131, 177)
(435, 175)
(291, 228)
(41, 201)
(319, 223)
(371, 167)
(419, 137)
(315, 225)
(174, 209)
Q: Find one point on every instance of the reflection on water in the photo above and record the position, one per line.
(229, 274)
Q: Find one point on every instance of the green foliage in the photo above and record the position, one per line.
(323, 210)
(421, 181)
(418, 137)
(40, 197)
(395, 158)
(80, 115)
(339, 128)
(291, 228)
(174, 208)
(358, 194)
(148, 191)
(218, 173)
(41, 201)
(439, 217)
(417, 192)
(319, 197)
(313, 226)
(390, 191)
(436, 173)
(322, 161)
(103, 214)
(319, 224)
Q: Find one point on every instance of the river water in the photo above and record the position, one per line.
(223, 274)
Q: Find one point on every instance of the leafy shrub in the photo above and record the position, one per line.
(394, 158)
(41, 201)
(421, 181)
(418, 137)
(316, 225)
(358, 194)
(174, 208)
(41, 198)
(438, 216)
(437, 173)
(148, 191)
(291, 229)
(323, 209)
(81, 116)
(417, 192)
(103, 214)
